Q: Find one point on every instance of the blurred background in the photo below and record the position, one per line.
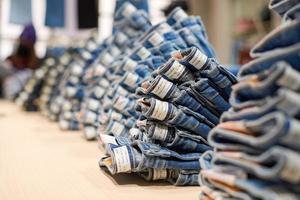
(233, 26)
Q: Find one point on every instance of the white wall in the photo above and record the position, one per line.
(10, 32)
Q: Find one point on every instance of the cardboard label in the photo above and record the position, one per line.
(162, 88)
(90, 117)
(160, 174)
(160, 132)
(107, 59)
(99, 70)
(290, 79)
(156, 39)
(175, 71)
(122, 159)
(290, 169)
(93, 104)
(130, 65)
(99, 92)
(131, 80)
(198, 60)
(160, 110)
(128, 10)
(143, 53)
(117, 128)
(179, 15)
(121, 103)
(108, 139)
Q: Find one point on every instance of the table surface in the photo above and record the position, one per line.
(39, 161)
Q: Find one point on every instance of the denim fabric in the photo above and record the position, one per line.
(175, 16)
(116, 128)
(188, 37)
(129, 15)
(281, 37)
(292, 14)
(175, 72)
(69, 125)
(276, 164)
(153, 62)
(167, 91)
(173, 138)
(235, 183)
(175, 116)
(176, 177)
(165, 49)
(160, 28)
(266, 83)
(203, 91)
(139, 4)
(208, 68)
(179, 19)
(140, 156)
(125, 106)
(130, 81)
(289, 54)
(140, 53)
(282, 6)
(209, 193)
(284, 100)
(256, 135)
(155, 39)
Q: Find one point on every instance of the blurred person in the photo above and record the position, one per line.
(17, 68)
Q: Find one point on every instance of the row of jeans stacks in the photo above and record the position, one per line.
(257, 144)
(149, 93)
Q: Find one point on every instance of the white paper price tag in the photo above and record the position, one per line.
(131, 80)
(93, 104)
(175, 71)
(198, 60)
(162, 88)
(160, 110)
(130, 65)
(122, 159)
(108, 139)
(160, 174)
(107, 59)
(160, 132)
(143, 53)
(121, 103)
(179, 15)
(117, 128)
(156, 39)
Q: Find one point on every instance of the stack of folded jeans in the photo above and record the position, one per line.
(165, 96)
(28, 97)
(257, 146)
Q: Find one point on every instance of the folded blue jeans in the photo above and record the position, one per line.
(292, 14)
(173, 138)
(282, 6)
(289, 54)
(171, 115)
(256, 135)
(266, 83)
(167, 91)
(276, 164)
(140, 156)
(234, 182)
(175, 177)
(175, 72)
(284, 100)
(283, 36)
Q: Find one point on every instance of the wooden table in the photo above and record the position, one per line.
(38, 161)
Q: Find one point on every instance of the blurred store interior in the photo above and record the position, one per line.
(233, 26)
